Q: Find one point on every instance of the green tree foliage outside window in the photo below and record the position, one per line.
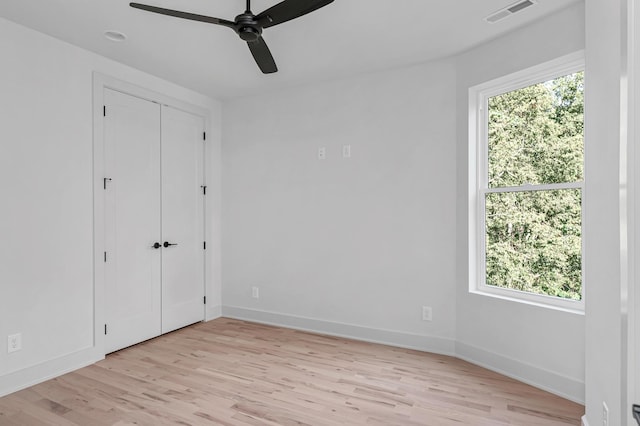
(533, 235)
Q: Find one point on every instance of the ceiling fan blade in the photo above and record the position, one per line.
(288, 10)
(262, 55)
(183, 15)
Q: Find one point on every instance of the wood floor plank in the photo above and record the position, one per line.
(235, 373)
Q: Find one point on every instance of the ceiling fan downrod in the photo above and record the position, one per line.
(247, 27)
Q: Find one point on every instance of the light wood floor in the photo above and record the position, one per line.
(229, 372)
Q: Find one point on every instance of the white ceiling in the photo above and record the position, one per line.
(345, 38)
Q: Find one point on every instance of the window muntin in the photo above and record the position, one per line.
(527, 169)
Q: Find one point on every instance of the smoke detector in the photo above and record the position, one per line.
(508, 11)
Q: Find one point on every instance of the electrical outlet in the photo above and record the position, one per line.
(427, 313)
(605, 414)
(346, 151)
(255, 292)
(14, 342)
(322, 153)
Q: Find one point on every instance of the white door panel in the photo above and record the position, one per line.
(132, 162)
(182, 219)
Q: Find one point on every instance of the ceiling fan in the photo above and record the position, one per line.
(249, 26)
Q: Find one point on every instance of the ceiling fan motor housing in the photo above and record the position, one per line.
(247, 27)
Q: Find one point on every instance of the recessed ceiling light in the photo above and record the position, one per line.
(115, 35)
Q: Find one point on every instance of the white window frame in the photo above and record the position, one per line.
(478, 178)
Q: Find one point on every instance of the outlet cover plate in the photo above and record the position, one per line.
(427, 313)
(14, 342)
(322, 153)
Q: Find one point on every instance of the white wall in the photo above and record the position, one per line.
(356, 246)
(46, 215)
(540, 346)
(346, 246)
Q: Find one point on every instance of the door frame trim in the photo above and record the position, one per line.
(631, 94)
(629, 187)
(100, 83)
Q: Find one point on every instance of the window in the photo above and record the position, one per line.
(526, 185)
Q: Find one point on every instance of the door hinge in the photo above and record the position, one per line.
(205, 300)
(204, 136)
(104, 110)
(204, 245)
(104, 182)
(105, 329)
(105, 256)
(204, 189)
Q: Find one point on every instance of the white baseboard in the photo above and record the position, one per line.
(213, 312)
(547, 380)
(584, 421)
(26, 377)
(550, 381)
(419, 342)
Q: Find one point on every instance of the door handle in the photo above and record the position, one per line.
(167, 244)
(636, 413)
(156, 245)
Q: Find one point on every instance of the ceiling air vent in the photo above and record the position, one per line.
(509, 10)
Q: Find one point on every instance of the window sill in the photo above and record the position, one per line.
(562, 305)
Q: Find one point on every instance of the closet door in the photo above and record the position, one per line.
(182, 219)
(132, 220)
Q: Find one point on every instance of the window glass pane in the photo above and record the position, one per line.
(533, 242)
(536, 134)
